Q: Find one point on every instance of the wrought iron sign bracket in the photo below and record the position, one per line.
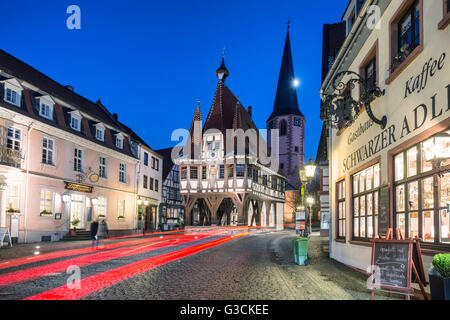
(342, 110)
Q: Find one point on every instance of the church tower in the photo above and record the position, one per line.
(288, 119)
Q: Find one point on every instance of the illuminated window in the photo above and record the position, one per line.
(422, 197)
(121, 209)
(13, 197)
(365, 203)
(46, 201)
(340, 214)
(100, 207)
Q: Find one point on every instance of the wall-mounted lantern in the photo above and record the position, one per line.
(339, 108)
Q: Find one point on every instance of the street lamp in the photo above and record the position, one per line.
(139, 202)
(310, 168)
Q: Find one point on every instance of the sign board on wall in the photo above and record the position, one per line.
(77, 187)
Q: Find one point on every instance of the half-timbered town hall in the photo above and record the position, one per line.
(223, 180)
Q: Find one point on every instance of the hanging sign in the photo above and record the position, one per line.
(77, 187)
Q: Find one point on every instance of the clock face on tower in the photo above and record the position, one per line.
(298, 122)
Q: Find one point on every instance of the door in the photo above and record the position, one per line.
(77, 211)
(148, 219)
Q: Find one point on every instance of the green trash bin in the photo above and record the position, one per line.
(295, 250)
(302, 251)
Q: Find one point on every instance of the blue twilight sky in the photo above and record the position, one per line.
(149, 61)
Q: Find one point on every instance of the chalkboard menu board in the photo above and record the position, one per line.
(383, 215)
(393, 258)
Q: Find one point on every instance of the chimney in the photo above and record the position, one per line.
(250, 109)
(115, 116)
(69, 87)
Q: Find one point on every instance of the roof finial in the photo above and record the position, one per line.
(198, 102)
(288, 23)
(223, 53)
(222, 72)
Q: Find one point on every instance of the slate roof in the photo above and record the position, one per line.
(286, 101)
(29, 106)
(167, 161)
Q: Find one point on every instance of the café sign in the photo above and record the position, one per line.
(77, 187)
(412, 121)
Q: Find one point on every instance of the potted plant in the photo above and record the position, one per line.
(439, 275)
(75, 222)
(45, 213)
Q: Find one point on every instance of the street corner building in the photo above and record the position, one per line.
(226, 174)
(387, 106)
(66, 161)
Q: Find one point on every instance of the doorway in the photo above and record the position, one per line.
(77, 211)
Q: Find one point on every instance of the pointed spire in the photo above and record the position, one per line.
(222, 73)
(286, 101)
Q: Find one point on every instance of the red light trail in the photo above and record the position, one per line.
(100, 281)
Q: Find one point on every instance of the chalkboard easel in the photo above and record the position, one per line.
(394, 262)
(3, 233)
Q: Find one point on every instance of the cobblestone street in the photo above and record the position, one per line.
(258, 266)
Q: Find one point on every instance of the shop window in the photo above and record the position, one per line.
(366, 184)
(13, 203)
(406, 29)
(340, 212)
(422, 196)
(100, 207)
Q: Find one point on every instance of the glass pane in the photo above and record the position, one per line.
(355, 183)
(362, 227)
(426, 165)
(362, 206)
(376, 176)
(369, 178)
(428, 226)
(400, 198)
(340, 229)
(369, 204)
(411, 162)
(445, 223)
(427, 193)
(401, 223)
(413, 224)
(398, 167)
(413, 195)
(445, 190)
(356, 227)
(362, 177)
(375, 203)
(376, 225)
(369, 227)
(356, 207)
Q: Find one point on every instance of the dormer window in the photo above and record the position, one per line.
(13, 92)
(100, 132)
(119, 141)
(75, 120)
(46, 107)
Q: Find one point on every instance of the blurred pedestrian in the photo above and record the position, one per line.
(94, 230)
(103, 231)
